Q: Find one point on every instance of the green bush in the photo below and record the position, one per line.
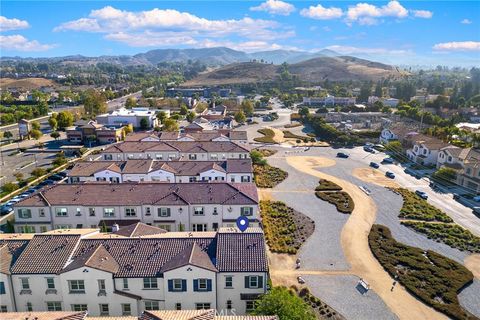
(268, 135)
(340, 199)
(327, 185)
(416, 208)
(267, 176)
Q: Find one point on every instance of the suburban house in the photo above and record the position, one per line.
(469, 175)
(207, 135)
(399, 132)
(132, 116)
(448, 157)
(425, 150)
(198, 206)
(176, 150)
(126, 275)
(91, 131)
(232, 170)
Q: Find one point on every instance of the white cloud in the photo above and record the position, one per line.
(319, 12)
(458, 46)
(358, 50)
(159, 27)
(275, 7)
(20, 43)
(368, 14)
(7, 24)
(425, 14)
(326, 29)
(466, 21)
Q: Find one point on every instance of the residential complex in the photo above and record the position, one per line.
(232, 170)
(133, 270)
(170, 206)
(329, 101)
(198, 135)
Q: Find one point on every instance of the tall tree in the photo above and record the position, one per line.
(93, 102)
(285, 304)
(64, 119)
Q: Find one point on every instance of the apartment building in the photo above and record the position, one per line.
(329, 101)
(206, 135)
(116, 275)
(199, 206)
(176, 150)
(232, 170)
(425, 150)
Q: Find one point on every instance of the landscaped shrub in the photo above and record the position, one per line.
(433, 278)
(321, 309)
(416, 208)
(268, 135)
(340, 199)
(285, 229)
(267, 176)
(289, 135)
(327, 185)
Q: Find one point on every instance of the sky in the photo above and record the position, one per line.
(398, 32)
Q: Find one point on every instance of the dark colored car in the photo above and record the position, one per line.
(369, 149)
(5, 209)
(342, 155)
(421, 194)
(55, 177)
(390, 174)
(388, 160)
(62, 174)
(374, 165)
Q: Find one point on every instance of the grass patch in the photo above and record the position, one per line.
(266, 152)
(268, 135)
(340, 199)
(416, 208)
(451, 234)
(327, 185)
(267, 176)
(433, 278)
(320, 308)
(285, 229)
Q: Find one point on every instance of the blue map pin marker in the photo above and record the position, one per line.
(242, 223)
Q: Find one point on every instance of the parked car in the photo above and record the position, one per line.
(5, 209)
(387, 160)
(456, 196)
(477, 198)
(390, 174)
(369, 149)
(62, 173)
(374, 165)
(379, 147)
(342, 155)
(55, 177)
(476, 211)
(421, 194)
(300, 280)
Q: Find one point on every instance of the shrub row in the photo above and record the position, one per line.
(416, 208)
(268, 135)
(331, 192)
(433, 278)
(327, 185)
(267, 176)
(321, 309)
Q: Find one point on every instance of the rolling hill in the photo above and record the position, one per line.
(341, 68)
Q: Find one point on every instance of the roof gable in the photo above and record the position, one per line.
(191, 255)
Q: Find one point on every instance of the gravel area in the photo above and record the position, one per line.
(470, 298)
(340, 293)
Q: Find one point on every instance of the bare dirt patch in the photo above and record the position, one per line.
(374, 176)
(472, 263)
(27, 83)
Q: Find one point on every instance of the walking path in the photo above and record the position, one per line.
(354, 239)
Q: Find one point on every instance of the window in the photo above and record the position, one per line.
(109, 212)
(249, 305)
(152, 305)
(2, 287)
(79, 307)
(166, 227)
(215, 226)
(76, 286)
(91, 212)
(253, 282)
(27, 229)
(101, 179)
(41, 212)
(192, 179)
(199, 227)
(246, 211)
(202, 305)
(29, 306)
(25, 284)
(101, 285)
(104, 309)
(229, 304)
(245, 178)
(163, 212)
(192, 156)
(150, 283)
(198, 211)
(108, 157)
(62, 226)
(177, 285)
(158, 156)
(125, 283)
(50, 283)
(43, 229)
(126, 309)
(228, 282)
(130, 212)
(178, 306)
(215, 211)
(202, 285)
(54, 306)
(61, 212)
(24, 213)
(79, 212)
(147, 211)
(3, 309)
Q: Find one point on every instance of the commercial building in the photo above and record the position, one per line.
(132, 116)
(198, 206)
(233, 170)
(329, 101)
(127, 273)
(93, 132)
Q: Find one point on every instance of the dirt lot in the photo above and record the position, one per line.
(374, 176)
(354, 240)
(472, 263)
(27, 83)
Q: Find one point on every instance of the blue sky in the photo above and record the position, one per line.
(401, 32)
